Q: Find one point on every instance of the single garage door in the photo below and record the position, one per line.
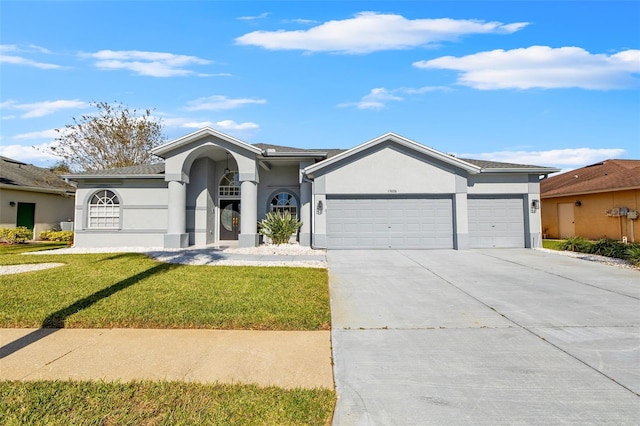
(389, 223)
(496, 222)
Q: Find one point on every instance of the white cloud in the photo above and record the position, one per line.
(37, 154)
(153, 64)
(378, 98)
(44, 134)
(542, 67)
(370, 31)
(224, 125)
(568, 158)
(16, 59)
(301, 21)
(40, 109)
(219, 102)
(232, 125)
(253, 18)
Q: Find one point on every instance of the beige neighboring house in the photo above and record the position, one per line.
(597, 201)
(34, 197)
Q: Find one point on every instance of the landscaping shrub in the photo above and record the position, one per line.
(633, 254)
(279, 227)
(15, 235)
(578, 244)
(62, 236)
(608, 247)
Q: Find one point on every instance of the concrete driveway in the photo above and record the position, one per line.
(511, 336)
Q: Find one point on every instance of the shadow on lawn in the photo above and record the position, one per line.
(56, 320)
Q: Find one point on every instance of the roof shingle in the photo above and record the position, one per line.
(19, 174)
(608, 175)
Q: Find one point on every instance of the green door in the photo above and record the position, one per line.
(26, 215)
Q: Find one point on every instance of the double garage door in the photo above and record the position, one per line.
(421, 223)
(389, 223)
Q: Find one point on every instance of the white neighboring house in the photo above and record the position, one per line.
(34, 197)
(387, 193)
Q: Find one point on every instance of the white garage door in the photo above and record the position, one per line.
(389, 223)
(496, 222)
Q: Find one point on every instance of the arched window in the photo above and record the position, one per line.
(104, 210)
(284, 202)
(229, 185)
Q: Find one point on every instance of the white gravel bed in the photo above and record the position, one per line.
(201, 256)
(205, 260)
(261, 250)
(16, 269)
(78, 250)
(611, 261)
(278, 250)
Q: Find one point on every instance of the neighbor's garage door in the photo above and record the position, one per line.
(496, 222)
(384, 223)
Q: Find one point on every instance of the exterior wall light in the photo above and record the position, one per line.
(319, 207)
(535, 205)
(578, 203)
(226, 169)
(12, 203)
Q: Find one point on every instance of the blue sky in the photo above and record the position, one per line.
(554, 83)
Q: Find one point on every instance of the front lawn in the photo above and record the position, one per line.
(102, 403)
(552, 244)
(132, 290)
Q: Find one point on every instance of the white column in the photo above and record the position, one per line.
(177, 236)
(248, 214)
(305, 213)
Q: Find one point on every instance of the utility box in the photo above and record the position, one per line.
(66, 226)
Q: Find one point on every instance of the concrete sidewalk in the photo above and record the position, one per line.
(287, 359)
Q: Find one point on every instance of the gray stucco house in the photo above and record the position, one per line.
(390, 192)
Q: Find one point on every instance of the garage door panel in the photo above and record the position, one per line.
(496, 222)
(396, 223)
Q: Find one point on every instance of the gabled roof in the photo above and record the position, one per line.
(471, 166)
(497, 167)
(141, 171)
(280, 150)
(162, 150)
(605, 176)
(18, 175)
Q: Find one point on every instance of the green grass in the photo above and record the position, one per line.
(153, 403)
(132, 290)
(552, 244)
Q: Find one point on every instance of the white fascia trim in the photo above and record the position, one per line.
(37, 189)
(301, 154)
(206, 131)
(541, 170)
(401, 141)
(595, 191)
(141, 176)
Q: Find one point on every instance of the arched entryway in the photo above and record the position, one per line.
(194, 168)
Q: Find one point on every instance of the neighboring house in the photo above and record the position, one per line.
(596, 201)
(390, 192)
(33, 197)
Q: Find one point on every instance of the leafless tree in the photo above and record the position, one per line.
(115, 136)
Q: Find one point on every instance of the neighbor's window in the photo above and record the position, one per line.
(104, 210)
(229, 185)
(284, 202)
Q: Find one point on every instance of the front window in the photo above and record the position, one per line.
(284, 202)
(104, 210)
(229, 185)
